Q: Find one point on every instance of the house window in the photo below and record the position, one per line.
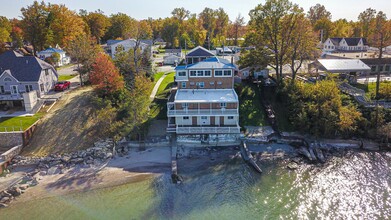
(192, 83)
(193, 73)
(181, 73)
(208, 73)
(201, 84)
(211, 83)
(186, 118)
(46, 72)
(185, 105)
(380, 68)
(200, 73)
(204, 117)
(223, 104)
(387, 69)
(219, 83)
(119, 48)
(41, 87)
(14, 89)
(227, 72)
(230, 117)
(2, 89)
(218, 72)
(183, 85)
(7, 79)
(28, 88)
(373, 68)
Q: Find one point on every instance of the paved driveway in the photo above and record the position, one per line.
(69, 70)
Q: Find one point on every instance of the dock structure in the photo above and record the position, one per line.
(248, 157)
(174, 164)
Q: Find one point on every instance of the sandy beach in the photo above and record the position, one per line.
(133, 167)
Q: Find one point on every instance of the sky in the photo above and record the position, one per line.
(142, 9)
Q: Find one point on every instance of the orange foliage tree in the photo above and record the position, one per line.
(106, 76)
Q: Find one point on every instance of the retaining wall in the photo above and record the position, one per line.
(10, 139)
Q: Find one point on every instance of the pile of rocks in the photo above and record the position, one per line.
(14, 191)
(54, 164)
(94, 155)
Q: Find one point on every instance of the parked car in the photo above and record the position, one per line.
(62, 85)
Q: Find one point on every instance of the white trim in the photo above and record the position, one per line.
(214, 73)
(203, 73)
(10, 74)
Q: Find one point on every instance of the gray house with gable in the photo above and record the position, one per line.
(24, 79)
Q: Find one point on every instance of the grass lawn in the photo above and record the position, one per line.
(159, 104)
(251, 112)
(368, 88)
(17, 122)
(282, 116)
(281, 111)
(65, 77)
(165, 86)
(157, 76)
(65, 66)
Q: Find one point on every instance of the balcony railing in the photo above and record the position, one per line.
(208, 130)
(205, 112)
(10, 97)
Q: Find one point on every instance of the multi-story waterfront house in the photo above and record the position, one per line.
(204, 103)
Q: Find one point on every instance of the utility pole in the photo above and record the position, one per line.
(185, 52)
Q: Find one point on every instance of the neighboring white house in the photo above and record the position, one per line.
(64, 59)
(255, 72)
(348, 44)
(115, 46)
(171, 60)
(224, 50)
(176, 52)
(24, 79)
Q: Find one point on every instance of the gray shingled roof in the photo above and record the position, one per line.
(23, 68)
(200, 52)
(351, 41)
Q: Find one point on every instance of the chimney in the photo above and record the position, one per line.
(232, 59)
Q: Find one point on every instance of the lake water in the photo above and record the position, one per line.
(357, 186)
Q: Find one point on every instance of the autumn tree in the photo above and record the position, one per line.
(64, 25)
(156, 27)
(121, 26)
(195, 32)
(220, 31)
(272, 25)
(208, 19)
(318, 12)
(380, 37)
(318, 109)
(236, 29)
(5, 31)
(16, 33)
(98, 23)
(342, 28)
(326, 26)
(179, 15)
(84, 50)
(138, 107)
(170, 31)
(105, 76)
(302, 45)
(35, 24)
(366, 18)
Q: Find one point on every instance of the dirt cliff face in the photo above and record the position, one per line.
(69, 126)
